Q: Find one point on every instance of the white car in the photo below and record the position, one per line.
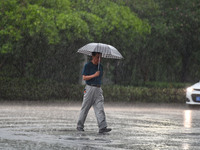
(193, 94)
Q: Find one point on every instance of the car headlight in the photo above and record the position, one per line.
(190, 89)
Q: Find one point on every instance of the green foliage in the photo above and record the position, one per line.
(116, 25)
(169, 52)
(40, 38)
(143, 94)
(108, 20)
(37, 89)
(166, 85)
(182, 25)
(159, 39)
(9, 22)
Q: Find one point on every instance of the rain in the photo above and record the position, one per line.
(136, 62)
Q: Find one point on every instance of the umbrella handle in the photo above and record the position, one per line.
(99, 63)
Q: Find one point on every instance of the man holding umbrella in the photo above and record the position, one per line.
(92, 74)
(93, 94)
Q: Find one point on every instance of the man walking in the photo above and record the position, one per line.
(93, 94)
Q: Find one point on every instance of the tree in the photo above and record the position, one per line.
(169, 52)
(42, 37)
(118, 26)
(182, 20)
(32, 31)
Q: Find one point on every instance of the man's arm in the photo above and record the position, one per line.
(88, 77)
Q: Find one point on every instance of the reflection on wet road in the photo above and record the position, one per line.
(187, 118)
(135, 126)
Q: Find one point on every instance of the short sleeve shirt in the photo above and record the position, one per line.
(90, 69)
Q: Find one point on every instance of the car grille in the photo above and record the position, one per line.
(196, 89)
(194, 97)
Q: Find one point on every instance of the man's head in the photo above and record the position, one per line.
(96, 56)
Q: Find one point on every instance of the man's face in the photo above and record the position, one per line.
(96, 58)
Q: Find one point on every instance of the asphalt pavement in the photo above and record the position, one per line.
(52, 126)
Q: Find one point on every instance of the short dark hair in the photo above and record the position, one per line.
(94, 53)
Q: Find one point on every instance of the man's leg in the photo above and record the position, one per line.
(99, 108)
(86, 105)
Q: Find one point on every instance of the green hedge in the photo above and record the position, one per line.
(34, 89)
(144, 94)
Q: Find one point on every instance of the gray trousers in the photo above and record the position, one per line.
(93, 96)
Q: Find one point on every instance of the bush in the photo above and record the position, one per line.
(37, 89)
(144, 94)
(166, 85)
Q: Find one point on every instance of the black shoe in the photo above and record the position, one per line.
(105, 130)
(80, 129)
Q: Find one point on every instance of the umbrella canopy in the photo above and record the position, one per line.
(107, 51)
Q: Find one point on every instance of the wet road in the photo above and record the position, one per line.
(135, 126)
